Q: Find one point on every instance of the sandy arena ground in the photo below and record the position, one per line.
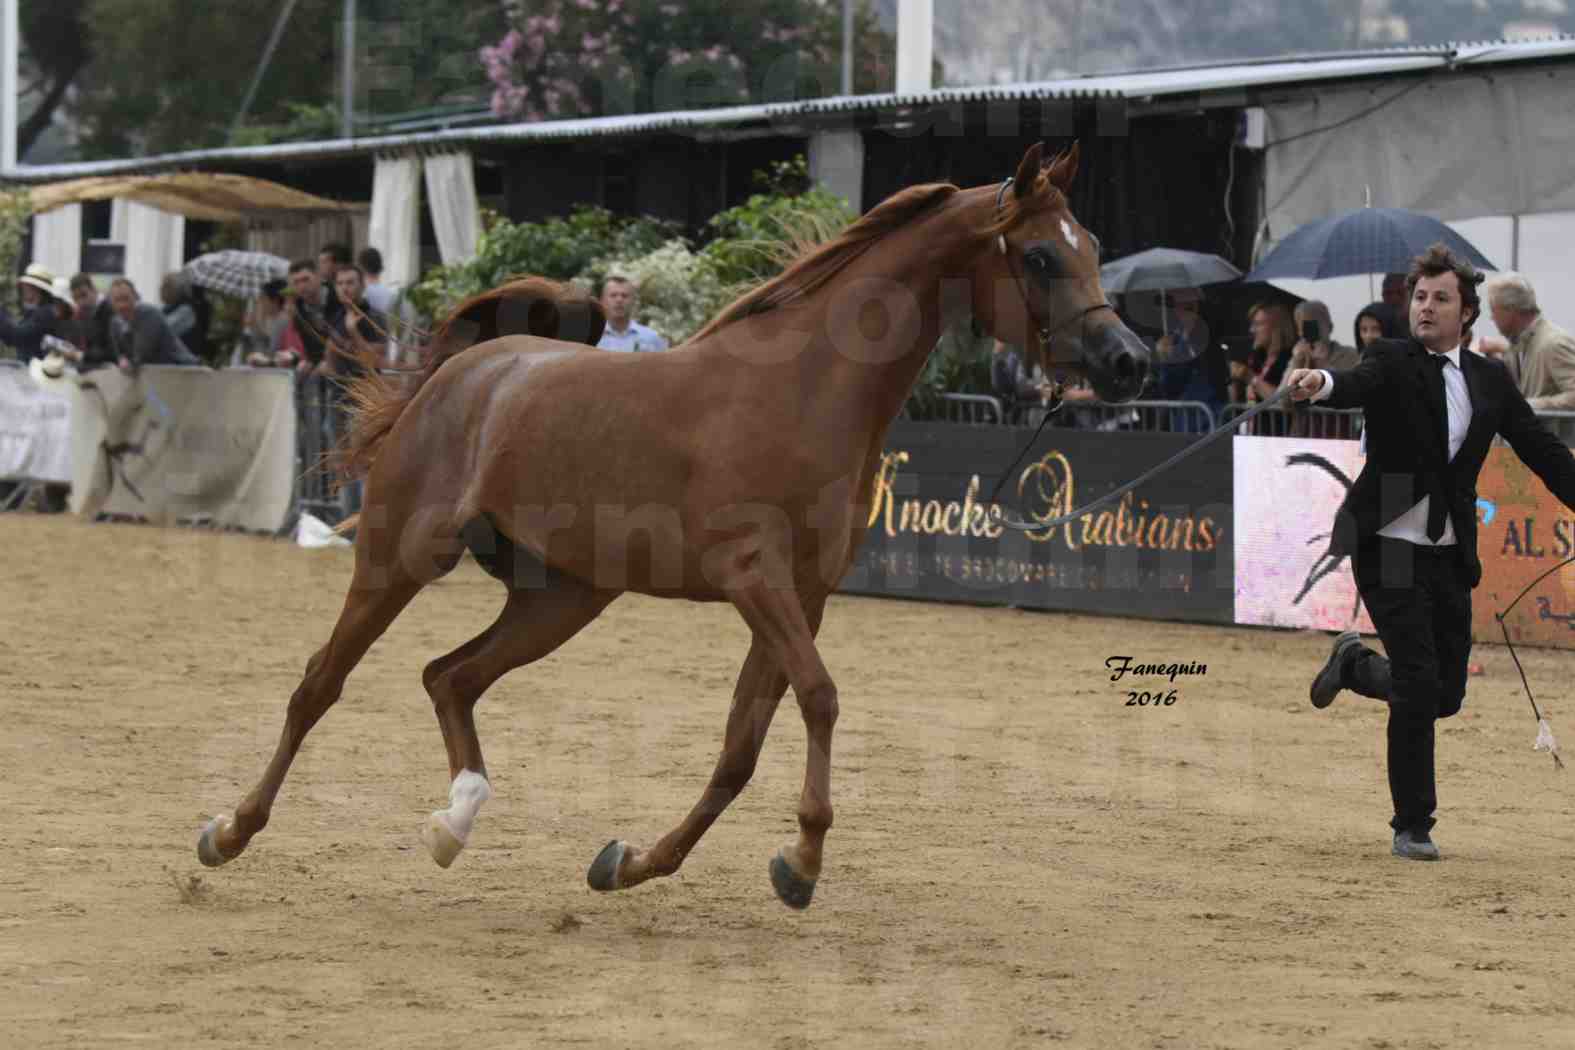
(1018, 858)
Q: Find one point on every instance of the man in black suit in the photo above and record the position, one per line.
(1409, 522)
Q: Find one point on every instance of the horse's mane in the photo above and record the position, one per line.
(815, 264)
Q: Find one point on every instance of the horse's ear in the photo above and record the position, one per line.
(1063, 169)
(1028, 170)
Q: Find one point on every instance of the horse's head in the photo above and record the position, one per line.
(1038, 285)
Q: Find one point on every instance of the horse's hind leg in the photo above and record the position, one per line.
(379, 591)
(535, 620)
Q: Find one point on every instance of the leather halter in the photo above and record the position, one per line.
(1045, 332)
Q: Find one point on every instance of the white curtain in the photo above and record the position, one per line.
(395, 227)
(117, 220)
(155, 244)
(57, 239)
(456, 215)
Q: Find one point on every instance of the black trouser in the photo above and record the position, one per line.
(1420, 601)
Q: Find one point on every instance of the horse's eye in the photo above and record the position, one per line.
(1040, 263)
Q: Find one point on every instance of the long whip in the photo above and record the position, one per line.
(1545, 741)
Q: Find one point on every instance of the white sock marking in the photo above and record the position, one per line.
(465, 796)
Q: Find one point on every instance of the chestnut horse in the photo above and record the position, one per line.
(735, 468)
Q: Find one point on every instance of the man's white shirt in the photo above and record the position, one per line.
(637, 338)
(1412, 525)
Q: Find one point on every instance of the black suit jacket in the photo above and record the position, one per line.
(1407, 426)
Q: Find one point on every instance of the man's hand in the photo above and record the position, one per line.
(1304, 383)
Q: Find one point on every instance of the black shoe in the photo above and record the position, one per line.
(1414, 845)
(1331, 679)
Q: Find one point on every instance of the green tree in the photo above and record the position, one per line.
(751, 241)
(56, 50)
(169, 75)
(559, 248)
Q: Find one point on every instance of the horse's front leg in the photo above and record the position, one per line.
(761, 684)
(760, 687)
(777, 613)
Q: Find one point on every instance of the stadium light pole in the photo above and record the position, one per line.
(915, 45)
(10, 56)
(347, 75)
(847, 47)
(262, 67)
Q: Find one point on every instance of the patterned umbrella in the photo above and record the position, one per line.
(236, 273)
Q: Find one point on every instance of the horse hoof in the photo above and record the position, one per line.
(793, 889)
(442, 843)
(207, 844)
(604, 869)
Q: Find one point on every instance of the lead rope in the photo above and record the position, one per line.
(1197, 446)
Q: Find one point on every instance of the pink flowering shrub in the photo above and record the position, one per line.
(576, 58)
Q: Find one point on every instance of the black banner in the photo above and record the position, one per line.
(1163, 551)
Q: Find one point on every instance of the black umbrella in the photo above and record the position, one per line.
(1365, 241)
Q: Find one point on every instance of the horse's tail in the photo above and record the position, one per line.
(524, 306)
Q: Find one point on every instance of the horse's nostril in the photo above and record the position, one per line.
(1126, 365)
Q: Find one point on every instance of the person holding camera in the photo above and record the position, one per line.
(1316, 348)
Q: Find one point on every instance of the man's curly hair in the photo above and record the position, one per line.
(1437, 261)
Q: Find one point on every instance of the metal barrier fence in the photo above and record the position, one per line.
(321, 415)
(1176, 417)
(1189, 417)
(320, 419)
(972, 408)
(1336, 423)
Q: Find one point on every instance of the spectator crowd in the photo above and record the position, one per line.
(330, 316)
(329, 320)
(1192, 364)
